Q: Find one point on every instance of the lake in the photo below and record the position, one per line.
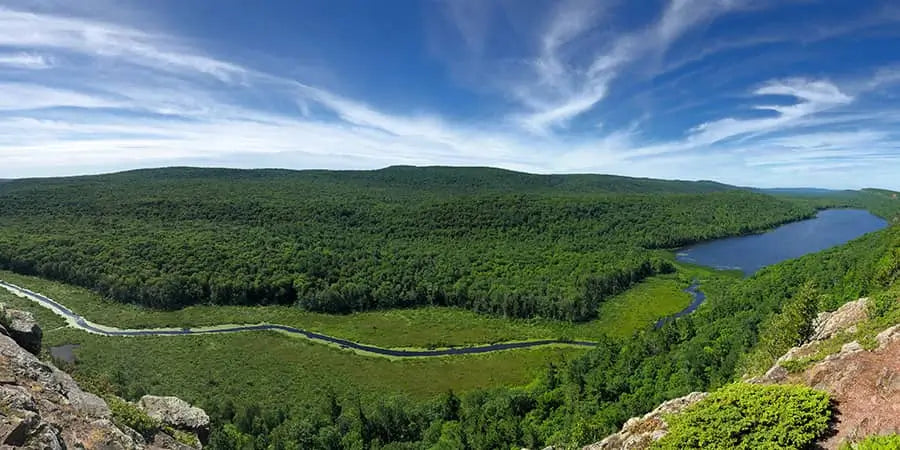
(750, 253)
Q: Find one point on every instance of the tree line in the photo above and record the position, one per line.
(343, 242)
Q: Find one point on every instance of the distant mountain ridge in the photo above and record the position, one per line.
(441, 178)
(799, 190)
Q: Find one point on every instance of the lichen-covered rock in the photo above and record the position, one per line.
(828, 324)
(177, 413)
(42, 407)
(641, 432)
(889, 335)
(22, 327)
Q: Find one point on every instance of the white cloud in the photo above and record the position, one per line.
(813, 96)
(171, 108)
(99, 39)
(24, 60)
(20, 96)
(563, 89)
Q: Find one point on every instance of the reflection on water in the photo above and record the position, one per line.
(751, 253)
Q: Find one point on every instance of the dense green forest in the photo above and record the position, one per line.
(743, 324)
(489, 240)
(492, 241)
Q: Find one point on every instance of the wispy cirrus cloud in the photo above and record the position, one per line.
(23, 60)
(113, 96)
(576, 59)
(104, 40)
(811, 97)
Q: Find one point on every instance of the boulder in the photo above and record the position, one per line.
(176, 413)
(828, 324)
(887, 336)
(641, 432)
(22, 327)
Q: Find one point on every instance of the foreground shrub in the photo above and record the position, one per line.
(129, 415)
(749, 416)
(889, 442)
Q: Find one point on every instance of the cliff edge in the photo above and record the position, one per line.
(858, 368)
(42, 407)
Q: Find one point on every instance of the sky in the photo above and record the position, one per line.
(768, 93)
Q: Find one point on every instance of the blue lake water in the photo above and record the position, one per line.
(750, 253)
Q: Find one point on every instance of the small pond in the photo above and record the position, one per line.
(64, 352)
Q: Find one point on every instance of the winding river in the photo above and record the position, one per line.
(83, 324)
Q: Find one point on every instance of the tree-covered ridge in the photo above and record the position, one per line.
(400, 180)
(492, 241)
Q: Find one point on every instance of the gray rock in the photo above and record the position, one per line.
(22, 327)
(88, 404)
(775, 374)
(889, 335)
(43, 408)
(48, 438)
(851, 347)
(16, 426)
(177, 413)
(641, 432)
(828, 324)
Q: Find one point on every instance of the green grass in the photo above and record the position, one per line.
(422, 327)
(645, 303)
(275, 370)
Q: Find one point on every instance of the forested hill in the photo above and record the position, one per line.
(490, 240)
(402, 178)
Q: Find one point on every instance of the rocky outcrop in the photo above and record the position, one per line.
(865, 386)
(640, 432)
(828, 324)
(21, 326)
(888, 336)
(42, 407)
(176, 413)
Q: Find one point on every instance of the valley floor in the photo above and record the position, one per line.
(250, 367)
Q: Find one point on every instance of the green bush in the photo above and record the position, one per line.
(183, 437)
(129, 415)
(889, 442)
(749, 416)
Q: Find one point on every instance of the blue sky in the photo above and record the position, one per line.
(764, 93)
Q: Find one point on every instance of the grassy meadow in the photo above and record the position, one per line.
(276, 370)
(421, 327)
